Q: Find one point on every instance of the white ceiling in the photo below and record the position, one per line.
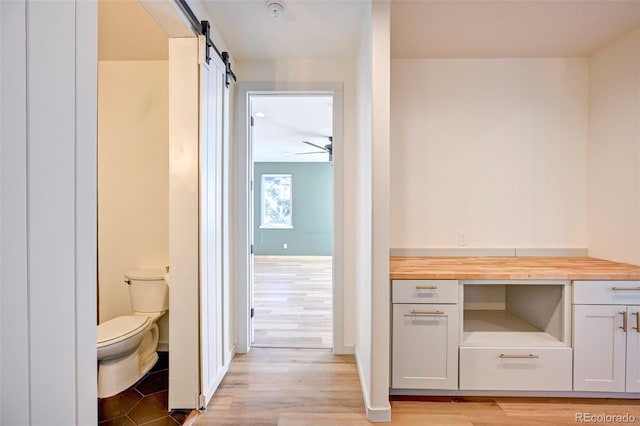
(516, 28)
(308, 28)
(287, 121)
(426, 28)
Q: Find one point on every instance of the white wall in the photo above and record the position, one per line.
(380, 409)
(372, 211)
(323, 71)
(363, 209)
(614, 151)
(133, 178)
(495, 148)
(47, 221)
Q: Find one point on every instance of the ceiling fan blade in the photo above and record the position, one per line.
(317, 146)
(314, 152)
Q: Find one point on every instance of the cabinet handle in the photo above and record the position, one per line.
(637, 327)
(414, 312)
(426, 287)
(625, 288)
(503, 356)
(624, 321)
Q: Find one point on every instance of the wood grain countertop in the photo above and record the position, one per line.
(508, 268)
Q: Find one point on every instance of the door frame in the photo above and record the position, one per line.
(184, 211)
(243, 201)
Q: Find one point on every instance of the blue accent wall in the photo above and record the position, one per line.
(312, 211)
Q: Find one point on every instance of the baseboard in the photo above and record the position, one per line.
(345, 350)
(554, 252)
(516, 394)
(379, 415)
(490, 252)
(453, 252)
(374, 414)
(231, 354)
(163, 347)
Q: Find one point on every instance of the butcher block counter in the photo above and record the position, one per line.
(540, 326)
(509, 268)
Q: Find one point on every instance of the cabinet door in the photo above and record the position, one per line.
(599, 348)
(425, 346)
(633, 349)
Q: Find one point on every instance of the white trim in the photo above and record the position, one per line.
(487, 252)
(86, 210)
(169, 17)
(184, 131)
(553, 252)
(554, 394)
(374, 414)
(348, 350)
(243, 224)
(453, 252)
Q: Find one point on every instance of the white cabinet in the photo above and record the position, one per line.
(425, 336)
(606, 348)
(515, 368)
(606, 324)
(516, 336)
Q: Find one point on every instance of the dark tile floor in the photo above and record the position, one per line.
(145, 403)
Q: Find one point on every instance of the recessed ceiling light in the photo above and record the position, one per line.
(259, 114)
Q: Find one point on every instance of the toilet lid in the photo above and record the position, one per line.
(121, 327)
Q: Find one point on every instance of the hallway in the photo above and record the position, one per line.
(292, 299)
(305, 387)
(288, 387)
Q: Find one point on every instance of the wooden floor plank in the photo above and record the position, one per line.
(305, 387)
(292, 301)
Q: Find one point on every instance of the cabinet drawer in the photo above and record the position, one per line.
(424, 291)
(526, 369)
(606, 292)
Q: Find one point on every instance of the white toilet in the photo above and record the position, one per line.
(127, 344)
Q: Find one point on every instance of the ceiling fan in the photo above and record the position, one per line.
(327, 149)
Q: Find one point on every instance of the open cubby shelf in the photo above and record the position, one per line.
(515, 315)
(502, 328)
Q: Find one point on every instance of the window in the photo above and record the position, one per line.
(276, 201)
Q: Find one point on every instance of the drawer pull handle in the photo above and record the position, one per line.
(426, 287)
(637, 327)
(414, 312)
(624, 321)
(625, 288)
(529, 356)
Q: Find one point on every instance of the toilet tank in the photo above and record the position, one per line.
(148, 291)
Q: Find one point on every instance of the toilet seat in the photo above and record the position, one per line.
(118, 329)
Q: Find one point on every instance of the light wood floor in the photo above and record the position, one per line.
(292, 301)
(304, 387)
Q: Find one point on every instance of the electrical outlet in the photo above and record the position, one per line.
(284, 246)
(462, 239)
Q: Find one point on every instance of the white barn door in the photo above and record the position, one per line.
(212, 353)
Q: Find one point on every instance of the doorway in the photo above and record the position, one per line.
(293, 171)
(292, 147)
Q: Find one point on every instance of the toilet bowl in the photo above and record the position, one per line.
(126, 345)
